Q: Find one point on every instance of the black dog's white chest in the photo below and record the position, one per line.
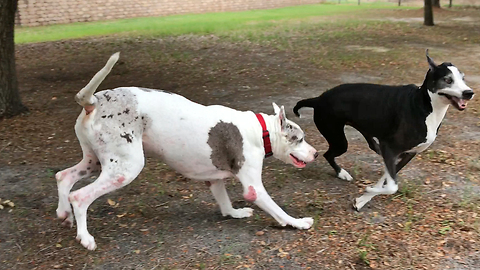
(432, 122)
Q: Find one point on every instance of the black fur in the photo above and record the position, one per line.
(395, 115)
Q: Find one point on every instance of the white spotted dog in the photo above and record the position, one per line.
(208, 143)
(396, 121)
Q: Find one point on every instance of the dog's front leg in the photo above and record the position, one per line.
(254, 191)
(221, 196)
(386, 184)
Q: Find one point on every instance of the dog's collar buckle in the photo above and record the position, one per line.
(267, 145)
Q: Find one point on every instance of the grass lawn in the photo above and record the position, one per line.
(191, 24)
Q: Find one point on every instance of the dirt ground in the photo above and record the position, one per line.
(164, 221)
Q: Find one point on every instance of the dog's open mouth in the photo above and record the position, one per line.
(297, 162)
(459, 103)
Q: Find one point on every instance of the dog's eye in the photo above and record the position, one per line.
(301, 140)
(448, 80)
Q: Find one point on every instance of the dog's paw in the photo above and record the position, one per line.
(344, 175)
(302, 223)
(87, 241)
(360, 202)
(240, 212)
(66, 217)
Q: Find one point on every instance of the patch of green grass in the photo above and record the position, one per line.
(364, 247)
(409, 189)
(362, 255)
(315, 207)
(446, 227)
(412, 216)
(469, 199)
(201, 266)
(209, 23)
(227, 259)
(50, 173)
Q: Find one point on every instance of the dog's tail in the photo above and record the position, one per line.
(85, 96)
(309, 102)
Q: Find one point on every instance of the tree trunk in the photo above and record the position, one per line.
(10, 103)
(399, 2)
(450, 4)
(436, 3)
(428, 13)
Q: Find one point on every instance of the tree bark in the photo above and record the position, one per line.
(450, 4)
(428, 13)
(436, 3)
(10, 103)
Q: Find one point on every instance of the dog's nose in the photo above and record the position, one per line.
(467, 94)
(315, 155)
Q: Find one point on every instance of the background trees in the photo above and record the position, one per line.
(10, 103)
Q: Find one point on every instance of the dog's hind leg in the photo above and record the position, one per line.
(119, 168)
(338, 145)
(386, 184)
(221, 196)
(68, 177)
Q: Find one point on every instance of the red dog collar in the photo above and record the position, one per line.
(267, 145)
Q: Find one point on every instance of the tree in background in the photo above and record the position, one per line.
(10, 103)
(436, 3)
(428, 13)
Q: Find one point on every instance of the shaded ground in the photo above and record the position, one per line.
(164, 221)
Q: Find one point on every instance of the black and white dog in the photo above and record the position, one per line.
(396, 121)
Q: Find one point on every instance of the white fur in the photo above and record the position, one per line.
(176, 130)
(433, 121)
(85, 96)
(440, 105)
(390, 187)
(458, 85)
(344, 175)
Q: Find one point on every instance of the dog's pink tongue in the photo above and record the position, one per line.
(462, 103)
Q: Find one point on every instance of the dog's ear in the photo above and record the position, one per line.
(280, 113)
(283, 118)
(430, 62)
(276, 109)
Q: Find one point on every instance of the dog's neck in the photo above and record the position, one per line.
(439, 106)
(273, 127)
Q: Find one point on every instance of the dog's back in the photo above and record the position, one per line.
(371, 108)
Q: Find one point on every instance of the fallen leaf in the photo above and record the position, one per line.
(110, 202)
(121, 215)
